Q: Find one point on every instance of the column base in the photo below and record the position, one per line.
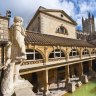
(84, 79)
(70, 87)
(46, 92)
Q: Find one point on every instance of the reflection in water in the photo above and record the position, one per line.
(86, 90)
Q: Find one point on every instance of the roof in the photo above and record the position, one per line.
(44, 11)
(49, 40)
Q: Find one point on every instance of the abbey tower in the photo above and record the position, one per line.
(88, 25)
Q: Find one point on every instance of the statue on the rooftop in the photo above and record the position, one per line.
(15, 54)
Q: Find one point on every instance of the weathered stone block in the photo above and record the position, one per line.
(70, 87)
(79, 83)
(84, 79)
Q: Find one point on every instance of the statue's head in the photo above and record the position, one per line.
(18, 19)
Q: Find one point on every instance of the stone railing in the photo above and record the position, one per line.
(93, 54)
(73, 57)
(29, 62)
(86, 55)
(56, 59)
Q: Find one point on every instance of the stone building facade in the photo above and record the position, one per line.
(53, 52)
(4, 27)
(57, 20)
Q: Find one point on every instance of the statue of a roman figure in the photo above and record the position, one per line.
(17, 35)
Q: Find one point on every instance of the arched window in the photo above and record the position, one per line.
(73, 53)
(93, 52)
(85, 52)
(56, 54)
(33, 54)
(62, 30)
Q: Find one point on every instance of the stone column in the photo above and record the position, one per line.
(46, 57)
(80, 69)
(90, 65)
(67, 73)
(46, 86)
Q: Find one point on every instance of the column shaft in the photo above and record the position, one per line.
(67, 74)
(46, 86)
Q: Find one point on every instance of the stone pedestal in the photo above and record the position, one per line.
(23, 88)
(70, 87)
(79, 83)
(84, 79)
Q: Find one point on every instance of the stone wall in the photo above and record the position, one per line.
(60, 15)
(3, 28)
(35, 25)
(49, 25)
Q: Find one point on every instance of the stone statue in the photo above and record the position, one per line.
(17, 36)
(15, 54)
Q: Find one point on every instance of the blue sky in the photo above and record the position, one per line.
(27, 8)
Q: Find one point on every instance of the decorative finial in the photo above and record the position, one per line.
(89, 15)
(8, 13)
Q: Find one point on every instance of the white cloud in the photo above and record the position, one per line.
(95, 23)
(68, 7)
(27, 8)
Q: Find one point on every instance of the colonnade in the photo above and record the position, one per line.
(67, 74)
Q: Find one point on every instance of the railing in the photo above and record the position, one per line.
(86, 55)
(28, 62)
(73, 57)
(56, 59)
(93, 54)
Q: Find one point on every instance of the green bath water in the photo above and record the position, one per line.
(85, 90)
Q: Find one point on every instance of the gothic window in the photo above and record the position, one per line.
(73, 53)
(33, 54)
(62, 30)
(56, 54)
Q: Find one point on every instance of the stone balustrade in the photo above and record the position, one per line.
(28, 62)
(56, 59)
